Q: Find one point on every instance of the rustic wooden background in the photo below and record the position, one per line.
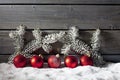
(54, 15)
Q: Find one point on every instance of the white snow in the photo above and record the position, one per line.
(110, 72)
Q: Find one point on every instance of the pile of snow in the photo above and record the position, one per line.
(110, 72)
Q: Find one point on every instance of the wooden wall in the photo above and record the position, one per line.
(62, 14)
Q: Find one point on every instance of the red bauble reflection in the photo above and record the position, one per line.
(71, 61)
(86, 60)
(20, 61)
(54, 61)
(37, 61)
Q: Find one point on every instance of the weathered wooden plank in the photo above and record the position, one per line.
(62, 1)
(108, 58)
(112, 58)
(110, 41)
(4, 58)
(60, 16)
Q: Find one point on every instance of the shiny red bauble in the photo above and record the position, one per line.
(20, 61)
(54, 61)
(86, 60)
(71, 61)
(36, 61)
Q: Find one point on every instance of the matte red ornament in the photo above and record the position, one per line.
(19, 61)
(37, 61)
(86, 60)
(71, 61)
(54, 61)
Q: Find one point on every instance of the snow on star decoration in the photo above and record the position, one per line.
(70, 39)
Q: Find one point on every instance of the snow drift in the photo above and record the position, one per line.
(110, 72)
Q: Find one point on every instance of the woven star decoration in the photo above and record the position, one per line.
(38, 42)
(72, 42)
(70, 39)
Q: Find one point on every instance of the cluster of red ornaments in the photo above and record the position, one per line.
(53, 61)
(72, 61)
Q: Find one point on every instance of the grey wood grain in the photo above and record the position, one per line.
(4, 58)
(60, 16)
(110, 41)
(111, 58)
(63, 1)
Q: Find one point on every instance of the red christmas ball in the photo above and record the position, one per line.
(20, 61)
(54, 61)
(37, 61)
(86, 60)
(71, 61)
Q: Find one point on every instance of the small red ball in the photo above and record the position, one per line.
(20, 61)
(54, 61)
(86, 60)
(37, 61)
(71, 61)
